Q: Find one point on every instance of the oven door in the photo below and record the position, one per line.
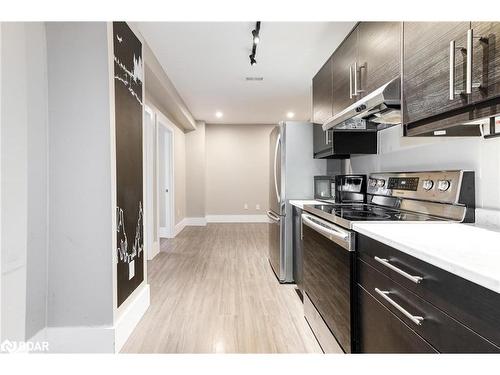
(328, 282)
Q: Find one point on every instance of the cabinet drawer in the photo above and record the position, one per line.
(472, 305)
(380, 331)
(440, 330)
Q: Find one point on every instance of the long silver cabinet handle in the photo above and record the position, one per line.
(385, 295)
(355, 93)
(468, 74)
(385, 262)
(452, 70)
(350, 82)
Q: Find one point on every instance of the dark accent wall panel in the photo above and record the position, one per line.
(128, 78)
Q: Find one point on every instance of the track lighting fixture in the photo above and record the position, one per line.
(256, 40)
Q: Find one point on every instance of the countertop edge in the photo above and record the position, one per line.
(451, 267)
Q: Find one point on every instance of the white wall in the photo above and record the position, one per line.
(237, 169)
(24, 168)
(399, 153)
(179, 174)
(36, 298)
(196, 172)
(14, 166)
(81, 234)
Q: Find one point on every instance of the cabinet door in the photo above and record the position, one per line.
(322, 93)
(485, 60)
(379, 54)
(426, 73)
(343, 62)
(380, 331)
(322, 141)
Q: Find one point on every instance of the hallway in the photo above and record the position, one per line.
(213, 291)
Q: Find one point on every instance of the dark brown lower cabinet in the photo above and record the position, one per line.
(442, 312)
(380, 331)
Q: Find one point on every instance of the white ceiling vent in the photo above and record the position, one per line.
(254, 78)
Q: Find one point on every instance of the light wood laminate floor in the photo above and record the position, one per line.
(213, 291)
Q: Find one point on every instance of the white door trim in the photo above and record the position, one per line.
(162, 120)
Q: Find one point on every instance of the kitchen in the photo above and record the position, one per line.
(373, 204)
(276, 187)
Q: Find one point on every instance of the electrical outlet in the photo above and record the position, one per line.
(245, 206)
(131, 270)
(257, 206)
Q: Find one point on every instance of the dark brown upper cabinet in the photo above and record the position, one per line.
(322, 93)
(485, 61)
(429, 88)
(451, 76)
(344, 65)
(379, 55)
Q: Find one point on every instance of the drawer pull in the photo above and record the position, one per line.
(385, 295)
(385, 262)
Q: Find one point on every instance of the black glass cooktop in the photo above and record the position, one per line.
(365, 212)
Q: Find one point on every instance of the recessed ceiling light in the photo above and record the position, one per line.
(290, 115)
(219, 114)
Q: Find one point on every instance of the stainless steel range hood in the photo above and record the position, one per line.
(380, 109)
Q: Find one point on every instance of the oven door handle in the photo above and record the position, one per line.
(328, 230)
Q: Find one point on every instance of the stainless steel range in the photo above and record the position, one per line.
(408, 196)
(329, 242)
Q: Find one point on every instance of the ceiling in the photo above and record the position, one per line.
(208, 63)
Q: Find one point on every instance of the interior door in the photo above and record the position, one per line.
(165, 174)
(486, 60)
(379, 54)
(426, 75)
(275, 146)
(343, 65)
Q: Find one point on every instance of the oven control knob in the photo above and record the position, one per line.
(373, 182)
(443, 185)
(427, 184)
(380, 183)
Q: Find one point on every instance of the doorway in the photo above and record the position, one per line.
(165, 184)
(158, 180)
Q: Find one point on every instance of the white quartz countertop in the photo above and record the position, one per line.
(465, 250)
(301, 203)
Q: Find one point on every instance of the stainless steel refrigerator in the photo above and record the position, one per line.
(291, 176)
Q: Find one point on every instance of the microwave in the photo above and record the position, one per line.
(324, 188)
(349, 188)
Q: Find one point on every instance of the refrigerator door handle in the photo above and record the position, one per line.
(278, 140)
(271, 215)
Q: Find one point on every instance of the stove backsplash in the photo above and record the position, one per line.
(398, 153)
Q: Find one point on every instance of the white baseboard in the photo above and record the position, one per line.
(131, 316)
(196, 221)
(237, 219)
(163, 232)
(179, 227)
(99, 339)
(155, 250)
(81, 339)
